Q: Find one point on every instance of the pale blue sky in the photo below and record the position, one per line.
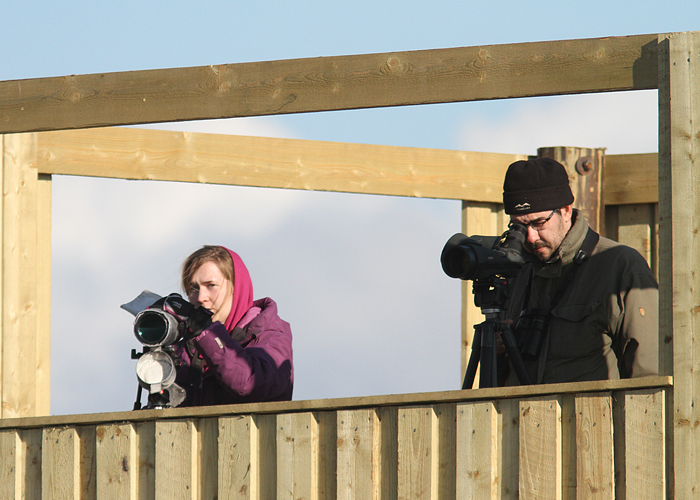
(357, 277)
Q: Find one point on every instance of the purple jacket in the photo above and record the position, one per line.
(249, 365)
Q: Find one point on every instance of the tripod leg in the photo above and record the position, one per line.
(515, 357)
(469, 375)
(489, 361)
(137, 404)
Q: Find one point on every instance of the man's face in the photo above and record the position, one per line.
(545, 230)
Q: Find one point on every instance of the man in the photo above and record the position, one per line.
(585, 307)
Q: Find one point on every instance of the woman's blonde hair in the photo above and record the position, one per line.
(208, 253)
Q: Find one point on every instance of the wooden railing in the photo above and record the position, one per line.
(601, 439)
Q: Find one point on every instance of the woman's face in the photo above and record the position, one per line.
(211, 290)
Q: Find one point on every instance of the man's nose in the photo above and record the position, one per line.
(532, 235)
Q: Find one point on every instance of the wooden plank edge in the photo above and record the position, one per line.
(334, 404)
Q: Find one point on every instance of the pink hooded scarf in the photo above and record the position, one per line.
(242, 292)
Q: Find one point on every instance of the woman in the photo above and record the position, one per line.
(243, 353)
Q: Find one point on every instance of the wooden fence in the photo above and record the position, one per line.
(585, 440)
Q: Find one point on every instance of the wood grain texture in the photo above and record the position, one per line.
(477, 451)
(631, 178)
(117, 462)
(129, 153)
(417, 453)
(238, 464)
(11, 470)
(357, 455)
(645, 440)
(329, 83)
(297, 456)
(595, 468)
(540, 448)
(19, 277)
(60, 458)
(679, 245)
(177, 471)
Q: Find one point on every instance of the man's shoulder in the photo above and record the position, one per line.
(611, 254)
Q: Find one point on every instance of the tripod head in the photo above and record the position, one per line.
(490, 293)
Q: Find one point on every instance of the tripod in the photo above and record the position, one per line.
(490, 295)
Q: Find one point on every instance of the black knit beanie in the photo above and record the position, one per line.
(536, 186)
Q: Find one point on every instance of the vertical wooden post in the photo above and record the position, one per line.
(24, 383)
(679, 246)
(585, 168)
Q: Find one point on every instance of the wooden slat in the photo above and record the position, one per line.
(297, 456)
(176, 460)
(117, 462)
(208, 457)
(358, 455)
(508, 446)
(327, 454)
(330, 83)
(679, 245)
(238, 464)
(267, 455)
(417, 453)
(19, 276)
(477, 451)
(11, 470)
(30, 461)
(447, 450)
(568, 446)
(540, 448)
(146, 449)
(131, 153)
(60, 458)
(631, 178)
(595, 476)
(645, 440)
(386, 468)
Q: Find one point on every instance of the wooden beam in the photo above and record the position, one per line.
(330, 83)
(129, 153)
(320, 405)
(679, 246)
(631, 179)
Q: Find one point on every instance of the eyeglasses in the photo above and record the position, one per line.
(536, 224)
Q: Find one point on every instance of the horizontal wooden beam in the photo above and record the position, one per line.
(131, 153)
(330, 83)
(335, 404)
(631, 179)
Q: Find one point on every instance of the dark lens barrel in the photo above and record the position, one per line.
(155, 327)
(459, 259)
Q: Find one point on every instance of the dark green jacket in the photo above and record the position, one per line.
(608, 313)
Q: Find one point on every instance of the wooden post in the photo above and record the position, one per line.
(25, 384)
(679, 247)
(585, 169)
